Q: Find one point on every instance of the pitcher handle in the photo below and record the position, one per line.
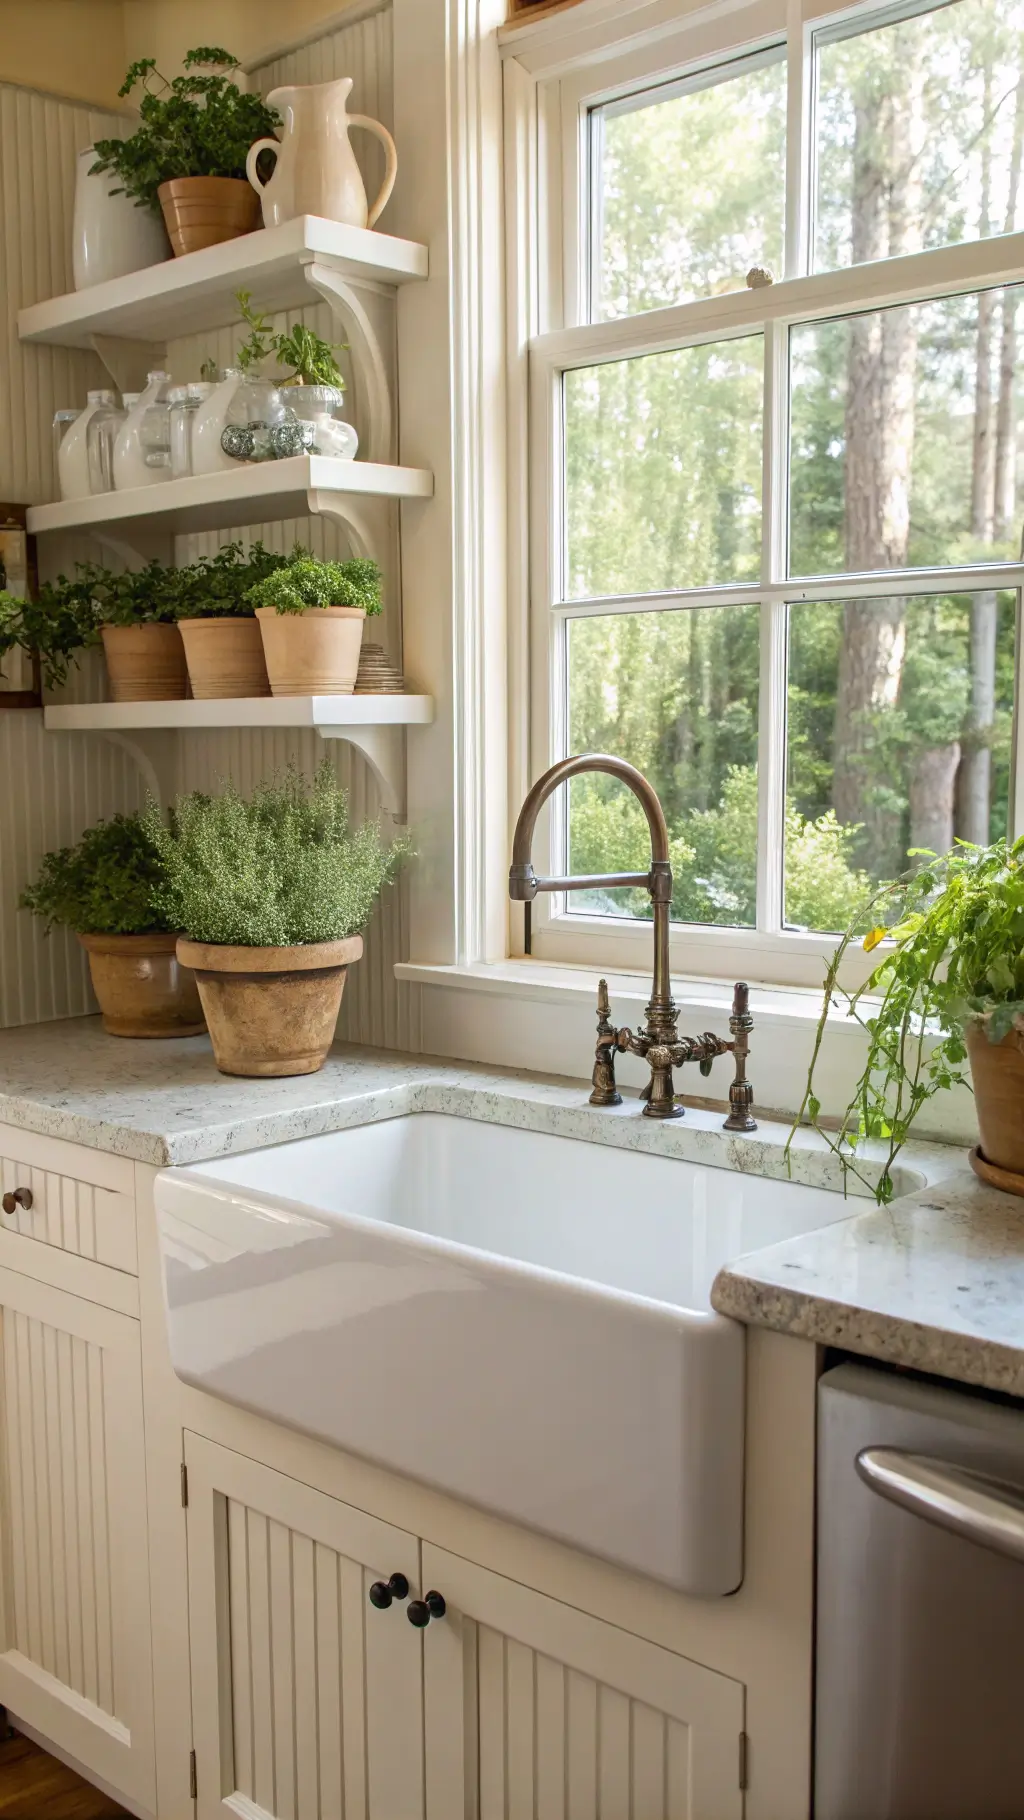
(258, 146)
(391, 166)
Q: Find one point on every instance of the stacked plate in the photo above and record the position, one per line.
(377, 675)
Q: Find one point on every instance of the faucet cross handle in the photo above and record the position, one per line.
(605, 1092)
(741, 1092)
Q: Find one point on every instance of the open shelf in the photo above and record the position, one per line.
(249, 494)
(322, 712)
(197, 292)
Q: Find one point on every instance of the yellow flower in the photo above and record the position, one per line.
(872, 939)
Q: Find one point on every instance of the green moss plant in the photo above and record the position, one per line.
(109, 884)
(279, 869)
(304, 582)
(953, 956)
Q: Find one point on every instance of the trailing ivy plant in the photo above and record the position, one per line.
(55, 626)
(106, 885)
(280, 869)
(304, 582)
(199, 125)
(956, 929)
(218, 586)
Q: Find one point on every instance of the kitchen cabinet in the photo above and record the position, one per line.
(310, 1703)
(75, 1650)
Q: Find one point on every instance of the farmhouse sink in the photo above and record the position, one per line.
(520, 1319)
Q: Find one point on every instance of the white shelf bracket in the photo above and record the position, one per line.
(128, 361)
(364, 520)
(347, 305)
(156, 754)
(384, 751)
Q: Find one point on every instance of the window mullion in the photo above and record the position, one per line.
(799, 171)
(771, 744)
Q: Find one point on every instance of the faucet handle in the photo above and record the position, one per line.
(741, 1092)
(605, 1092)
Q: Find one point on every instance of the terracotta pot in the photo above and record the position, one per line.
(141, 986)
(202, 211)
(225, 658)
(997, 1070)
(312, 653)
(271, 1011)
(145, 663)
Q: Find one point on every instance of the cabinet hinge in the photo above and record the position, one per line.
(184, 1486)
(744, 1764)
(193, 1780)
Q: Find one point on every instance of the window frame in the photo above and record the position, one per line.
(555, 335)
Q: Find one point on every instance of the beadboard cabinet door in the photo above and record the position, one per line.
(307, 1701)
(536, 1711)
(75, 1652)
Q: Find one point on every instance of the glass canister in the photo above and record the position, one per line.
(312, 425)
(255, 411)
(100, 436)
(62, 421)
(142, 452)
(73, 453)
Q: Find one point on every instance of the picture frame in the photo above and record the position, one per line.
(21, 685)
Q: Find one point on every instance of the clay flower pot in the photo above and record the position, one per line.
(997, 1070)
(141, 986)
(145, 663)
(224, 657)
(312, 653)
(271, 1011)
(202, 211)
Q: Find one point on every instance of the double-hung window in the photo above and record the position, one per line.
(776, 448)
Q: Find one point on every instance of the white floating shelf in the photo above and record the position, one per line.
(185, 296)
(374, 724)
(248, 494)
(322, 712)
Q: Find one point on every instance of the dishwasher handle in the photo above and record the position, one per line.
(979, 1509)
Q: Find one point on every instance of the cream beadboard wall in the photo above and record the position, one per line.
(54, 785)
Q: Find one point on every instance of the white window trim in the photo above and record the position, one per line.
(555, 71)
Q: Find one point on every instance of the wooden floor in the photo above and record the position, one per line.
(34, 1786)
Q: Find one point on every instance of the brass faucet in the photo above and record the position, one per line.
(658, 1040)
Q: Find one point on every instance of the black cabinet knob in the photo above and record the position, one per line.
(421, 1611)
(22, 1197)
(383, 1592)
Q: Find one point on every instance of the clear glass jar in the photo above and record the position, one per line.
(313, 425)
(255, 410)
(62, 421)
(142, 449)
(183, 401)
(101, 434)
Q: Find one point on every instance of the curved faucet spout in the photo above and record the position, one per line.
(523, 883)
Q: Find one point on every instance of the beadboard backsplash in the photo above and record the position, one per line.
(53, 785)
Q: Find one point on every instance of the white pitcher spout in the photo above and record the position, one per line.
(338, 90)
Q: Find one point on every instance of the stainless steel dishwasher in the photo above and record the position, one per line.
(920, 1627)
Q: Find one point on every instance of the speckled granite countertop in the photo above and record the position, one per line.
(934, 1282)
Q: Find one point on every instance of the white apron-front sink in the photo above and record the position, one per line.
(519, 1319)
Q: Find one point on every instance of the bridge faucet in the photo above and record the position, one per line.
(658, 1039)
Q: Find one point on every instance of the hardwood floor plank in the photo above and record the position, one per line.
(33, 1785)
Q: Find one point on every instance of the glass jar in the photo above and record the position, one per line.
(62, 421)
(101, 434)
(256, 408)
(73, 453)
(183, 401)
(313, 425)
(142, 450)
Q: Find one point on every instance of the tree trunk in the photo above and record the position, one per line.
(879, 450)
(932, 783)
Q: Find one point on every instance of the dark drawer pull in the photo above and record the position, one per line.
(421, 1611)
(22, 1197)
(383, 1592)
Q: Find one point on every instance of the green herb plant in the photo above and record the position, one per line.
(106, 885)
(153, 595)
(309, 358)
(956, 929)
(218, 586)
(281, 869)
(199, 125)
(55, 627)
(304, 582)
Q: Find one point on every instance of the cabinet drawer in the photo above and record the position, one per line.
(88, 1218)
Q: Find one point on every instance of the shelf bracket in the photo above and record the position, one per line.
(128, 361)
(156, 755)
(347, 305)
(384, 751)
(364, 520)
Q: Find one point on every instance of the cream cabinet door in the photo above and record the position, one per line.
(75, 1659)
(307, 1701)
(535, 1711)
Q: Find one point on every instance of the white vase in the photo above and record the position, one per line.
(131, 468)
(315, 172)
(208, 426)
(110, 236)
(73, 455)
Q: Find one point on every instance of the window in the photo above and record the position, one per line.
(777, 471)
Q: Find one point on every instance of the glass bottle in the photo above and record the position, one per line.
(62, 421)
(73, 453)
(100, 437)
(183, 402)
(131, 465)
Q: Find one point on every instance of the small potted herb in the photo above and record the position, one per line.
(136, 611)
(50, 630)
(218, 624)
(300, 416)
(187, 156)
(949, 988)
(272, 893)
(106, 889)
(311, 616)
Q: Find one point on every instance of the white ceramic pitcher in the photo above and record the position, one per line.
(316, 172)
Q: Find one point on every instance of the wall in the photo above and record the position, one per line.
(55, 785)
(67, 47)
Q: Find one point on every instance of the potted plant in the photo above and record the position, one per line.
(271, 893)
(949, 987)
(136, 611)
(187, 156)
(51, 630)
(218, 624)
(311, 616)
(298, 412)
(106, 889)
